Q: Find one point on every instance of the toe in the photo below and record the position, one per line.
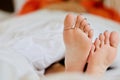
(97, 44)
(101, 38)
(86, 28)
(92, 49)
(78, 21)
(83, 23)
(114, 39)
(90, 33)
(69, 21)
(107, 35)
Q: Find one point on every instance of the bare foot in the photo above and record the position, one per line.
(78, 43)
(103, 53)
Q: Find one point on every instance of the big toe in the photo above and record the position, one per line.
(69, 21)
(114, 39)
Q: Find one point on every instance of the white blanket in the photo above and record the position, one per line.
(38, 37)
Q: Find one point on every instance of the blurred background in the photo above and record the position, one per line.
(104, 8)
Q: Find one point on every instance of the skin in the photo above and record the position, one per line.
(80, 49)
(78, 43)
(103, 53)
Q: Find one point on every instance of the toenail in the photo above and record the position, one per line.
(85, 18)
(88, 23)
(106, 30)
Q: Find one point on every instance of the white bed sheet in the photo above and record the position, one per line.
(38, 37)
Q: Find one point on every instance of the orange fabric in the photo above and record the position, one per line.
(33, 5)
(98, 8)
(91, 6)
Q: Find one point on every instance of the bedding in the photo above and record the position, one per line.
(98, 8)
(38, 38)
(15, 67)
(113, 4)
(4, 15)
(92, 6)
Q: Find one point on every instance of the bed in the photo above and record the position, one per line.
(41, 33)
